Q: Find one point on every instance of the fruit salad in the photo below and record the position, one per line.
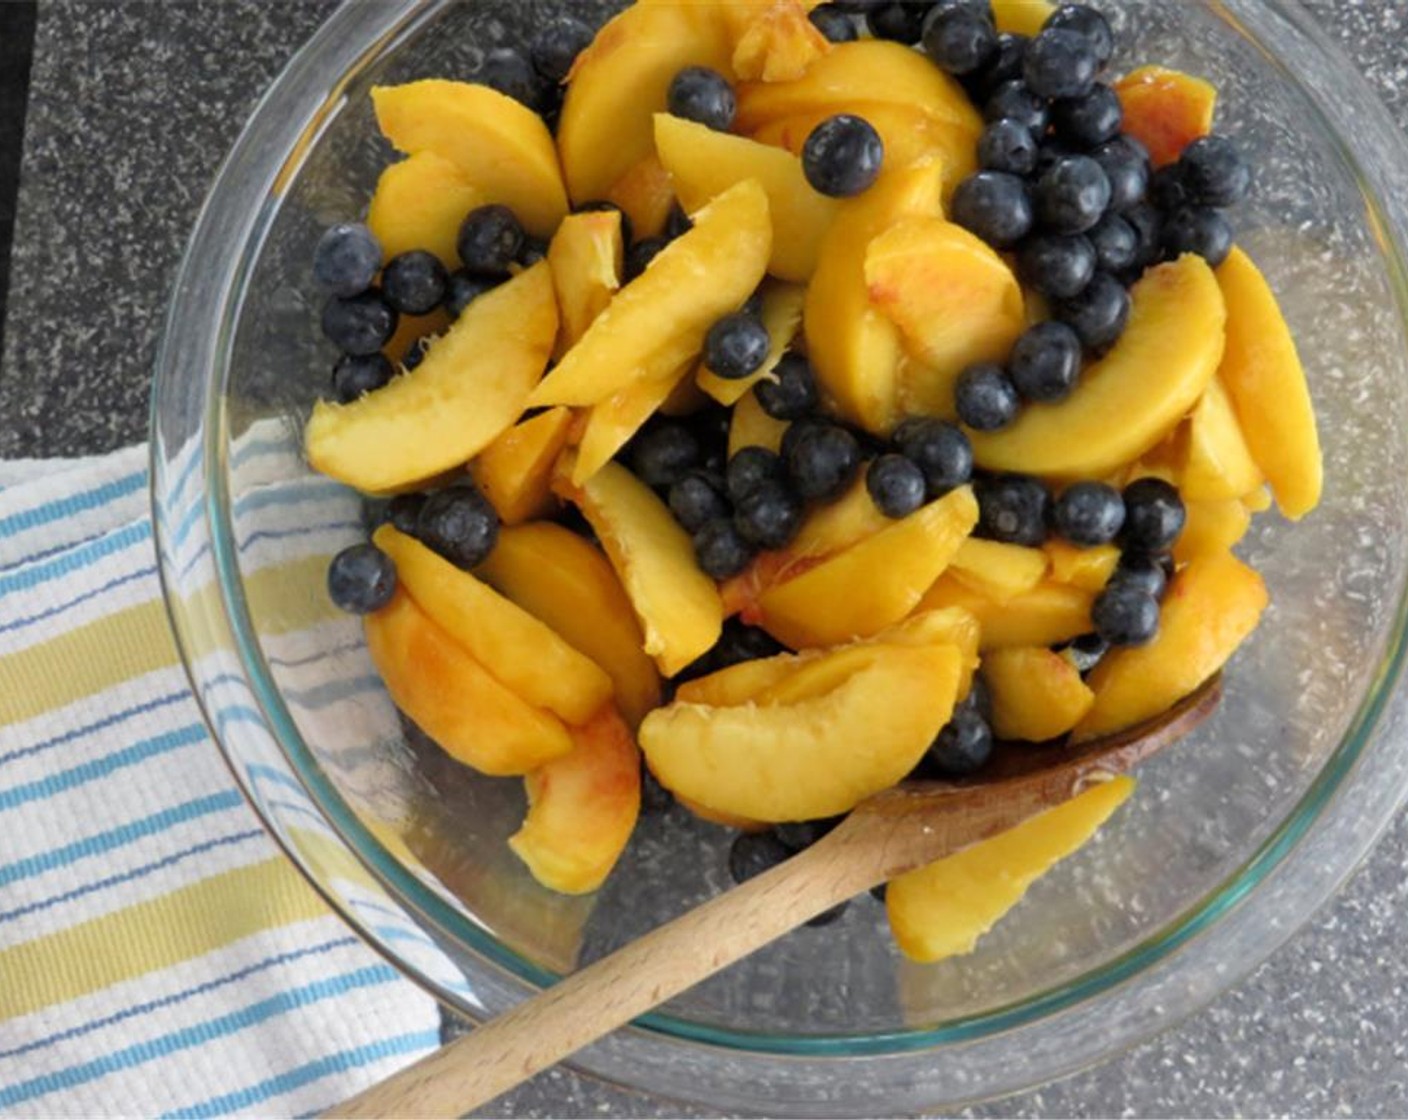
(767, 402)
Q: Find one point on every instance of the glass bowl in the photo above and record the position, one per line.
(1230, 843)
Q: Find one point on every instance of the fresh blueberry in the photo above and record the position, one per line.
(414, 282)
(556, 46)
(1089, 514)
(842, 156)
(1116, 244)
(347, 259)
(834, 23)
(750, 468)
(700, 94)
(736, 346)
(794, 394)
(1099, 314)
(710, 426)
(1154, 515)
(899, 22)
(490, 240)
(719, 549)
(1012, 100)
(403, 512)
(1060, 63)
(937, 448)
(1003, 65)
(360, 324)
(1198, 229)
(1071, 195)
(1089, 121)
(796, 430)
(1126, 166)
(823, 462)
(664, 453)
(959, 39)
(963, 746)
(1125, 616)
(640, 254)
(1142, 572)
(361, 579)
(601, 205)
(1085, 20)
(460, 524)
(995, 206)
(798, 836)
(1214, 171)
(979, 698)
(1086, 652)
(753, 853)
(463, 288)
(1050, 151)
(985, 397)
(1012, 509)
(677, 222)
(1168, 190)
(355, 374)
(1057, 265)
(753, 305)
(1045, 362)
(695, 500)
(534, 249)
(507, 71)
(1007, 145)
(896, 485)
(1148, 226)
(415, 354)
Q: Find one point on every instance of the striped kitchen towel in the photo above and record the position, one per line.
(158, 956)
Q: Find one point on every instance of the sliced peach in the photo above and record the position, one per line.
(694, 281)
(1211, 607)
(1087, 568)
(503, 148)
(582, 807)
(726, 820)
(814, 758)
(454, 699)
(782, 316)
(1021, 17)
(750, 426)
(1211, 527)
(646, 194)
(1165, 110)
(566, 582)
(621, 81)
(677, 604)
(999, 571)
(1263, 375)
(1036, 694)
(943, 909)
(1046, 615)
(612, 422)
(515, 471)
(585, 258)
(1132, 397)
(774, 41)
(471, 386)
(420, 203)
(704, 163)
(1217, 461)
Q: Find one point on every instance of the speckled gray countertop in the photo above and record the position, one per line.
(133, 104)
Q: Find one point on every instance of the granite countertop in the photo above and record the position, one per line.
(134, 103)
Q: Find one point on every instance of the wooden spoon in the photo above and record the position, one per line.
(885, 836)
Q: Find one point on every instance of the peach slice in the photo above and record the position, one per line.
(782, 316)
(455, 700)
(1046, 615)
(566, 582)
(774, 41)
(1165, 110)
(582, 807)
(1211, 527)
(1021, 17)
(1087, 568)
(1036, 694)
(503, 148)
(704, 163)
(813, 758)
(750, 426)
(515, 471)
(1132, 397)
(1211, 606)
(522, 652)
(677, 604)
(585, 258)
(646, 194)
(695, 280)
(1217, 461)
(420, 203)
(621, 81)
(612, 422)
(1263, 375)
(943, 909)
(471, 386)
(999, 571)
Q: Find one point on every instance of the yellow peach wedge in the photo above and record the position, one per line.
(612, 422)
(1217, 463)
(750, 426)
(1046, 615)
(585, 257)
(515, 471)
(999, 571)
(1165, 110)
(1087, 568)
(1036, 694)
(774, 41)
(646, 194)
(782, 316)
(420, 203)
(1021, 17)
(1211, 527)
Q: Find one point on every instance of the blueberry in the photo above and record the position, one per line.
(995, 206)
(750, 468)
(677, 222)
(640, 254)
(823, 462)
(556, 46)
(695, 500)
(664, 453)
(490, 240)
(1060, 63)
(896, 485)
(1007, 145)
(1071, 195)
(1003, 65)
(356, 374)
(1116, 244)
(507, 71)
(1012, 100)
(1168, 190)
(534, 249)
(415, 354)
(347, 259)
(752, 853)
(798, 836)
(700, 94)
(1214, 171)
(959, 39)
(796, 430)
(361, 579)
(719, 549)
(1089, 514)
(740, 642)
(985, 398)
(360, 324)
(736, 346)
(463, 288)
(1057, 265)
(1154, 515)
(1126, 166)
(842, 156)
(403, 512)
(979, 698)
(1045, 362)
(1099, 314)
(794, 394)
(1085, 20)
(1012, 509)
(1125, 616)
(1089, 121)
(1142, 572)
(601, 205)
(1148, 226)
(1050, 151)
(1086, 652)
(963, 746)
(414, 282)
(1198, 229)
(753, 305)
(899, 22)
(460, 524)
(937, 448)
(834, 23)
